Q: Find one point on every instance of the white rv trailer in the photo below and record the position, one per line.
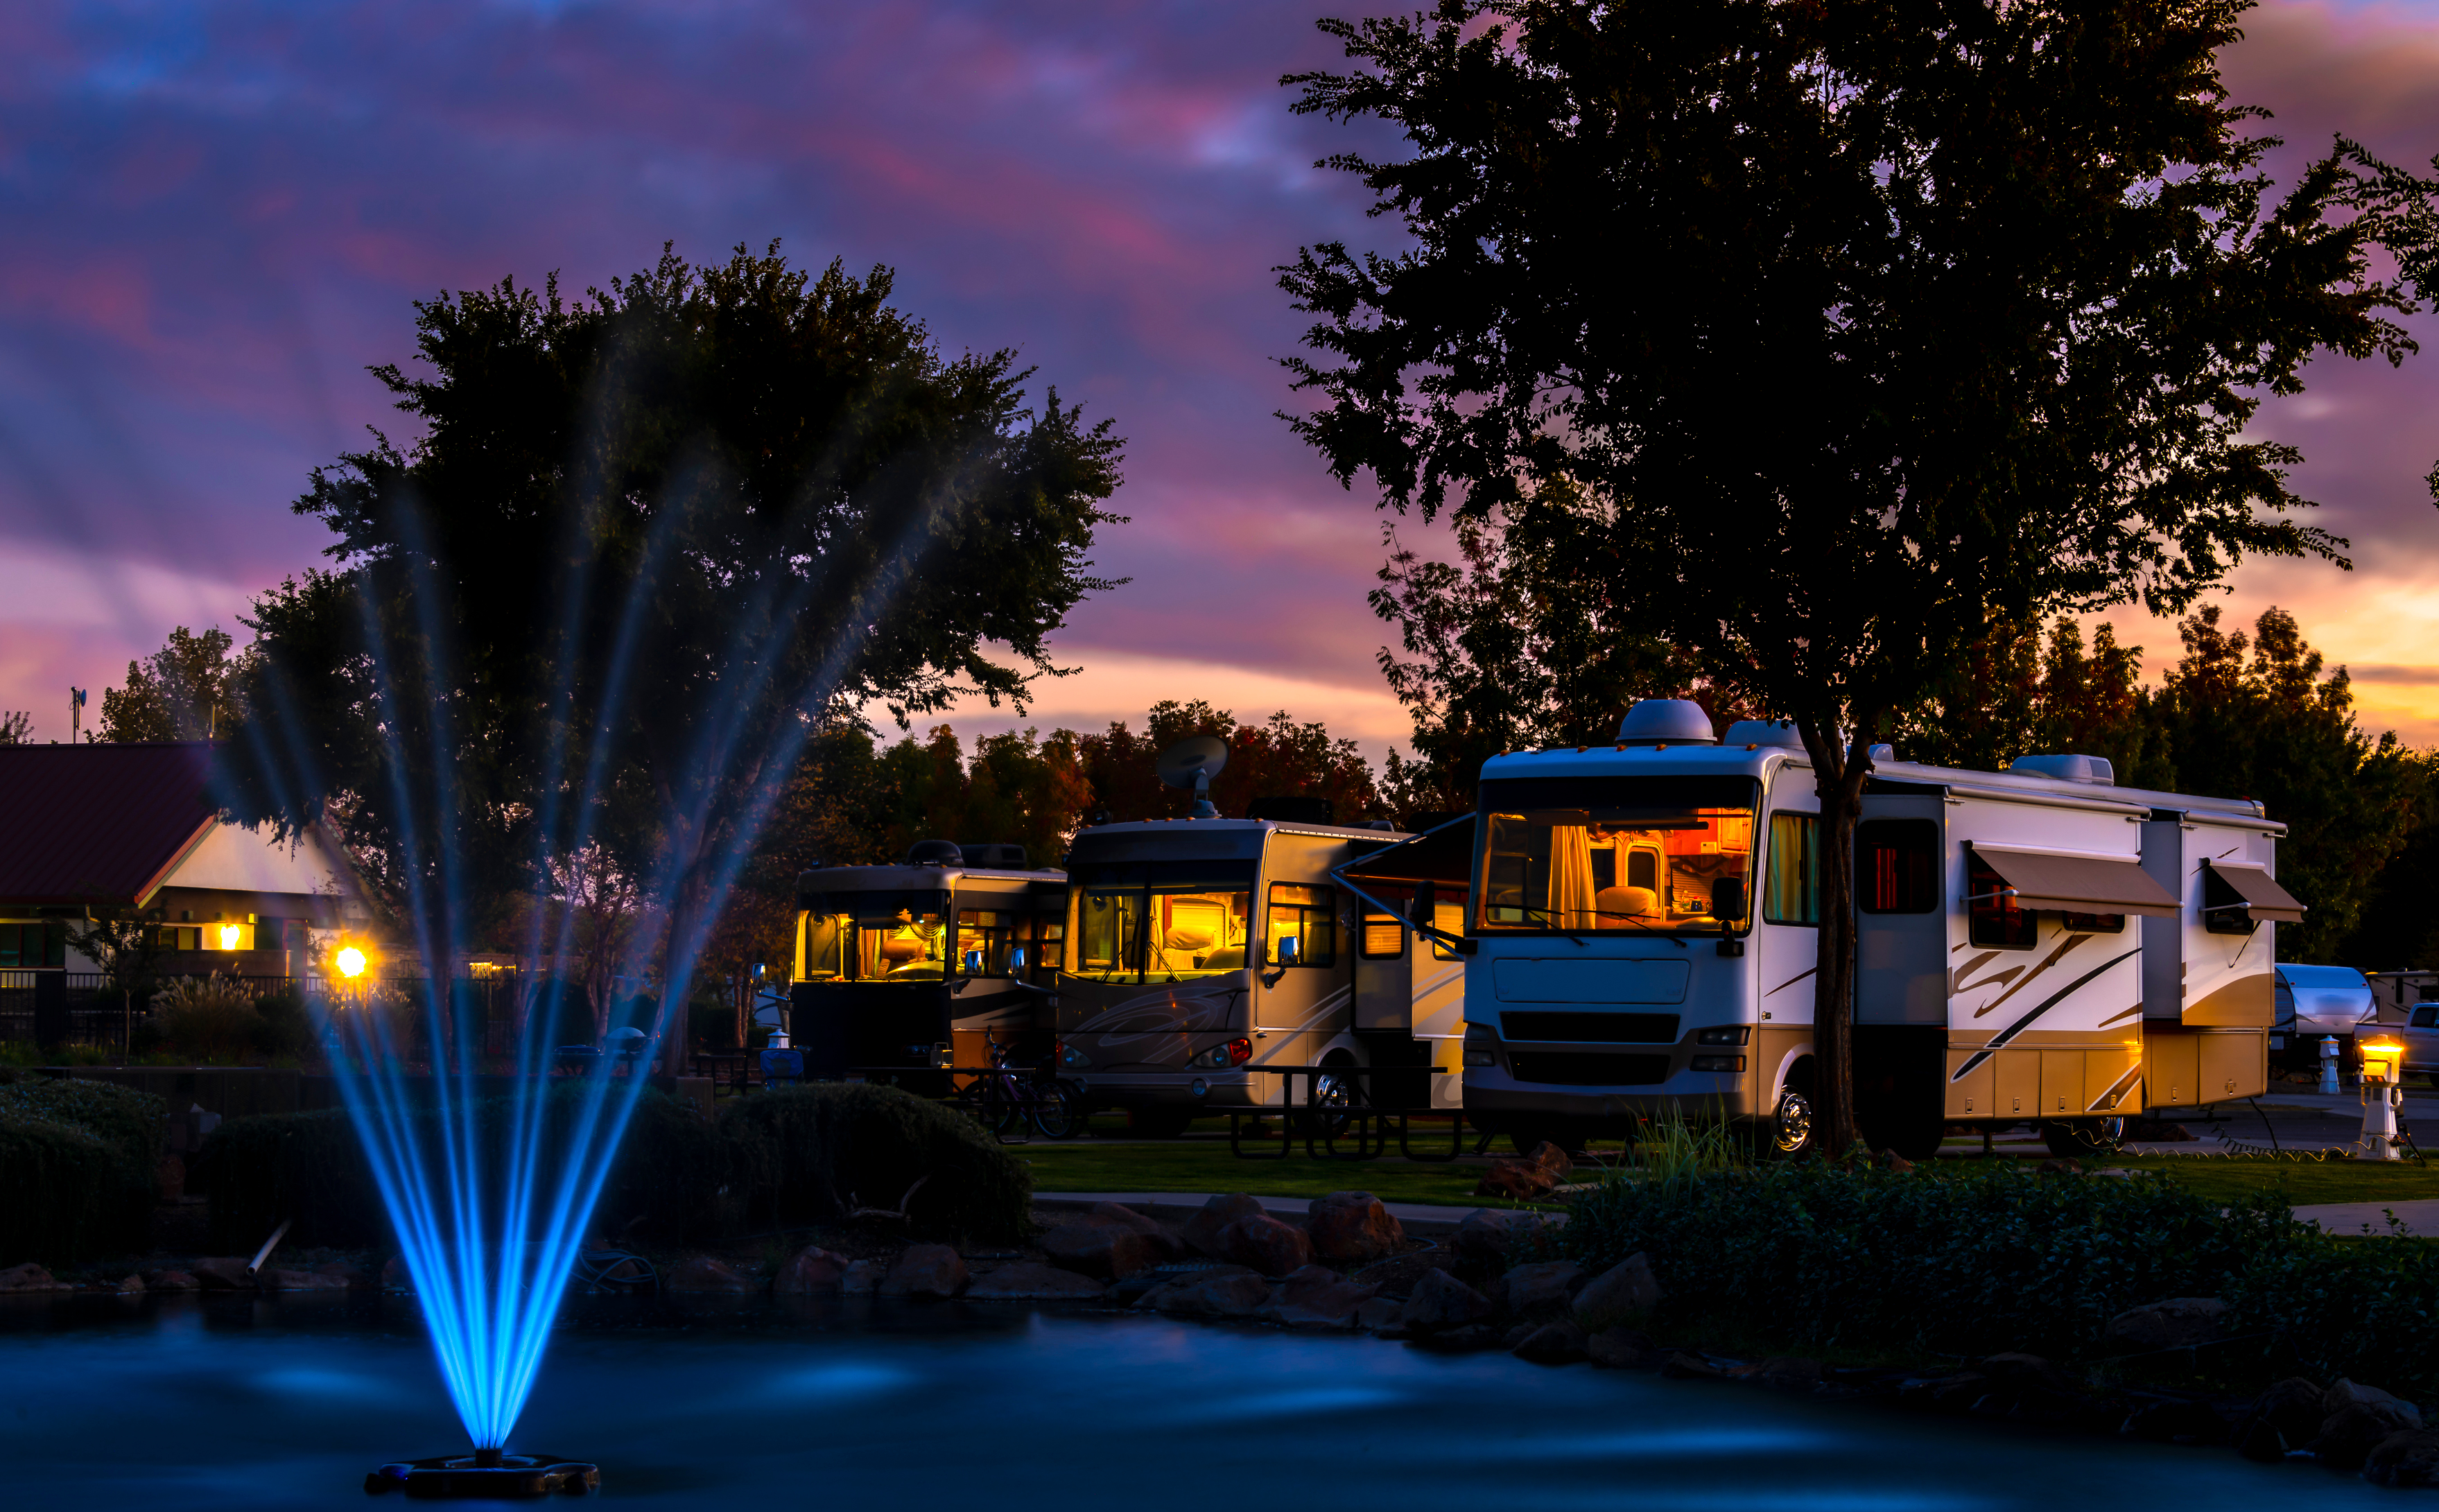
(2036, 945)
(902, 972)
(1200, 950)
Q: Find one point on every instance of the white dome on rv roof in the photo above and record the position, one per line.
(1781, 732)
(1666, 722)
(2091, 768)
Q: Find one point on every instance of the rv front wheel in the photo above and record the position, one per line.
(1790, 1127)
(2084, 1138)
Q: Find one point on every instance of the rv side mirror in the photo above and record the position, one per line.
(973, 963)
(1016, 961)
(1728, 900)
(1291, 950)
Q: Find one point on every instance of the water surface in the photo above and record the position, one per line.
(197, 1404)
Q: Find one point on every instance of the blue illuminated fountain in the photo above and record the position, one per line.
(490, 1196)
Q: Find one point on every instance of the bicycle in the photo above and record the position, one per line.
(1006, 1098)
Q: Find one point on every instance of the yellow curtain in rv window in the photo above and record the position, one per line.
(1791, 886)
(1571, 877)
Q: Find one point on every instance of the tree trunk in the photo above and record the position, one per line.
(1840, 771)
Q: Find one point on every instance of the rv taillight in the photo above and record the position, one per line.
(1239, 1051)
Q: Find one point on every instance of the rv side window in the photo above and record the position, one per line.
(1992, 916)
(825, 947)
(989, 931)
(1792, 887)
(1448, 919)
(1308, 916)
(2224, 910)
(1896, 866)
(1384, 937)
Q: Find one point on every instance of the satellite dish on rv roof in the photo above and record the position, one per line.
(1192, 763)
(1667, 722)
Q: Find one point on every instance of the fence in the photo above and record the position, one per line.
(83, 1008)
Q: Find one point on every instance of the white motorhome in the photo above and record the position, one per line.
(1200, 950)
(2037, 944)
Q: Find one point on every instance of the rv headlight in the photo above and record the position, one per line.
(1072, 1057)
(1480, 1046)
(1735, 1033)
(1221, 1057)
(1719, 1064)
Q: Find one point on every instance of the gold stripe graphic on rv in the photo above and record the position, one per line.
(2017, 1027)
(2117, 1089)
(2052, 959)
(1790, 981)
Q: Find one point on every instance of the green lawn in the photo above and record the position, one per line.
(1197, 1165)
(2304, 1182)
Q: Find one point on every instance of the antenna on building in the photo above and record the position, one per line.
(75, 712)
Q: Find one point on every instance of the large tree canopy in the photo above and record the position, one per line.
(1810, 339)
(645, 545)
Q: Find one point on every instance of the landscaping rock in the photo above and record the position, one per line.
(1518, 1180)
(1682, 1367)
(1385, 1316)
(169, 1281)
(30, 1277)
(1553, 1344)
(927, 1272)
(298, 1281)
(1953, 1392)
(862, 1279)
(1495, 1233)
(132, 1284)
(2346, 1391)
(2176, 1324)
(1541, 1287)
(2354, 1431)
(2288, 1416)
(1265, 1244)
(701, 1274)
(1551, 1159)
(812, 1271)
(1315, 1297)
(1103, 1249)
(222, 1273)
(1397, 1275)
(1233, 1293)
(1626, 1289)
(1622, 1349)
(1353, 1226)
(1896, 1162)
(2410, 1458)
(2057, 1168)
(1027, 1282)
(1439, 1302)
(1785, 1373)
(1203, 1230)
(1165, 1244)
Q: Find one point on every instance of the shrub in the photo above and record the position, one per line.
(76, 1168)
(1970, 1264)
(209, 1019)
(814, 1153)
(310, 1169)
(285, 1032)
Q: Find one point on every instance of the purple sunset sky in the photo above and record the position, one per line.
(213, 217)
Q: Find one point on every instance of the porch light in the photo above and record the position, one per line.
(350, 961)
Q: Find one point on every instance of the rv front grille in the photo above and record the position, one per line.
(1586, 1068)
(1607, 1028)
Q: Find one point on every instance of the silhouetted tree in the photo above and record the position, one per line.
(180, 692)
(1813, 339)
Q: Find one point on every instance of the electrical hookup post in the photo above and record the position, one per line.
(2383, 1094)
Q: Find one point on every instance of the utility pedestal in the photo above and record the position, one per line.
(2383, 1093)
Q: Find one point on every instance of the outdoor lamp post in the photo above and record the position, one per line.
(2383, 1093)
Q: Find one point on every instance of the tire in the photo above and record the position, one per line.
(1331, 1099)
(1788, 1134)
(1158, 1123)
(1058, 1110)
(2084, 1138)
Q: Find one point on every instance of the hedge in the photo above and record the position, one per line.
(777, 1158)
(77, 1167)
(2005, 1259)
(814, 1153)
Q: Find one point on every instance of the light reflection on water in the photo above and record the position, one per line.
(232, 1403)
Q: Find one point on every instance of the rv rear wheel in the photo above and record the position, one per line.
(2084, 1138)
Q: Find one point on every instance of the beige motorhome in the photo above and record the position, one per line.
(1200, 950)
(2036, 945)
(902, 972)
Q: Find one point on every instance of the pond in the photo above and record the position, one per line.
(202, 1403)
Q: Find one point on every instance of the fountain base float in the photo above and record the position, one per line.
(488, 1473)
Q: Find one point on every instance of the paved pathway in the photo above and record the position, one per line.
(2421, 1215)
(1418, 1217)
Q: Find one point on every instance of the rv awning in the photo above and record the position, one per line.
(1444, 855)
(2261, 893)
(2078, 885)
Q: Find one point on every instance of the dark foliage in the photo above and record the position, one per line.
(812, 1154)
(76, 1163)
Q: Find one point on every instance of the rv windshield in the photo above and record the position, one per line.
(1161, 922)
(1616, 855)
